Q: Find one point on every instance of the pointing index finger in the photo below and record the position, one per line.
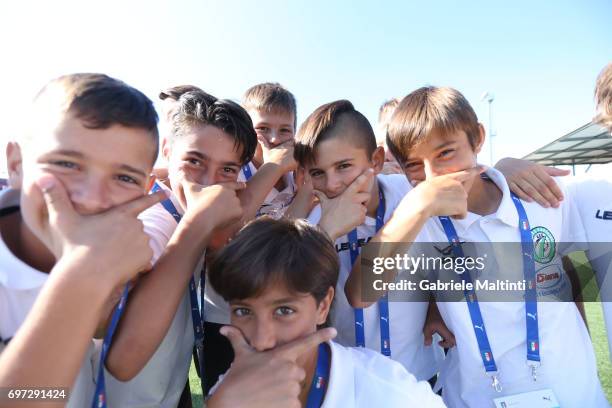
(296, 348)
(140, 204)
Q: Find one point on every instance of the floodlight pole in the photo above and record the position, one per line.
(489, 98)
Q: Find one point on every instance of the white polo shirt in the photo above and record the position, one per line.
(276, 202)
(362, 378)
(20, 285)
(406, 319)
(562, 331)
(593, 199)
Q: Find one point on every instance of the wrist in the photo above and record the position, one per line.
(330, 228)
(195, 226)
(79, 272)
(273, 167)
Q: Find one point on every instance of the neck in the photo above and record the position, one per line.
(484, 197)
(309, 365)
(373, 203)
(22, 243)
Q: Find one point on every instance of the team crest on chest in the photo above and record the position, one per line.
(544, 248)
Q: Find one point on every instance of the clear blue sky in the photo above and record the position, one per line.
(539, 58)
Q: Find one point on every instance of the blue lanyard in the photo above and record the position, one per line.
(99, 400)
(319, 380)
(383, 302)
(197, 317)
(247, 172)
(531, 305)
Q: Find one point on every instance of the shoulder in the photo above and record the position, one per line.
(587, 187)
(394, 183)
(382, 380)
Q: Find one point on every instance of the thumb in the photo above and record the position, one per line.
(56, 198)
(239, 343)
(553, 171)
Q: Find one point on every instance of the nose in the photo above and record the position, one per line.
(207, 176)
(264, 336)
(273, 137)
(90, 196)
(333, 185)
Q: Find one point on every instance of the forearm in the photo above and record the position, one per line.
(251, 200)
(49, 347)
(301, 206)
(395, 237)
(154, 301)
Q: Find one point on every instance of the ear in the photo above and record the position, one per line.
(481, 139)
(14, 165)
(378, 159)
(324, 306)
(166, 148)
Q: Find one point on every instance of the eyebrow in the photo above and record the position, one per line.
(205, 157)
(334, 163)
(72, 153)
(284, 300)
(133, 170)
(79, 155)
(442, 145)
(275, 302)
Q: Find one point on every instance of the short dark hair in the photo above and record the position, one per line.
(197, 108)
(426, 110)
(175, 92)
(321, 125)
(100, 102)
(268, 251)
(270, 97)
(603, 97)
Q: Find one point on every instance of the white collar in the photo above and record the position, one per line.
(14, 273)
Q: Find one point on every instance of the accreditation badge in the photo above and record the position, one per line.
(535, 399)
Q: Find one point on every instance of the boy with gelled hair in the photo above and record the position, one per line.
(337, 148)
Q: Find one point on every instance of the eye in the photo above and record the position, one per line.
(229, 170)
(127, 179)
(286, 130)
(65, 163)
(316, 173)
(446, 153)
(284, 311)
(343, 166)
(241, 312)
(262, 129)
(412, 165)
(193, 161)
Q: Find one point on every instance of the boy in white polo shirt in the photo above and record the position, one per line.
(337, 148)
(503, 348)
(97, 138)
(276, 297)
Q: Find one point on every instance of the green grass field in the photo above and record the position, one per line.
(594, 318)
